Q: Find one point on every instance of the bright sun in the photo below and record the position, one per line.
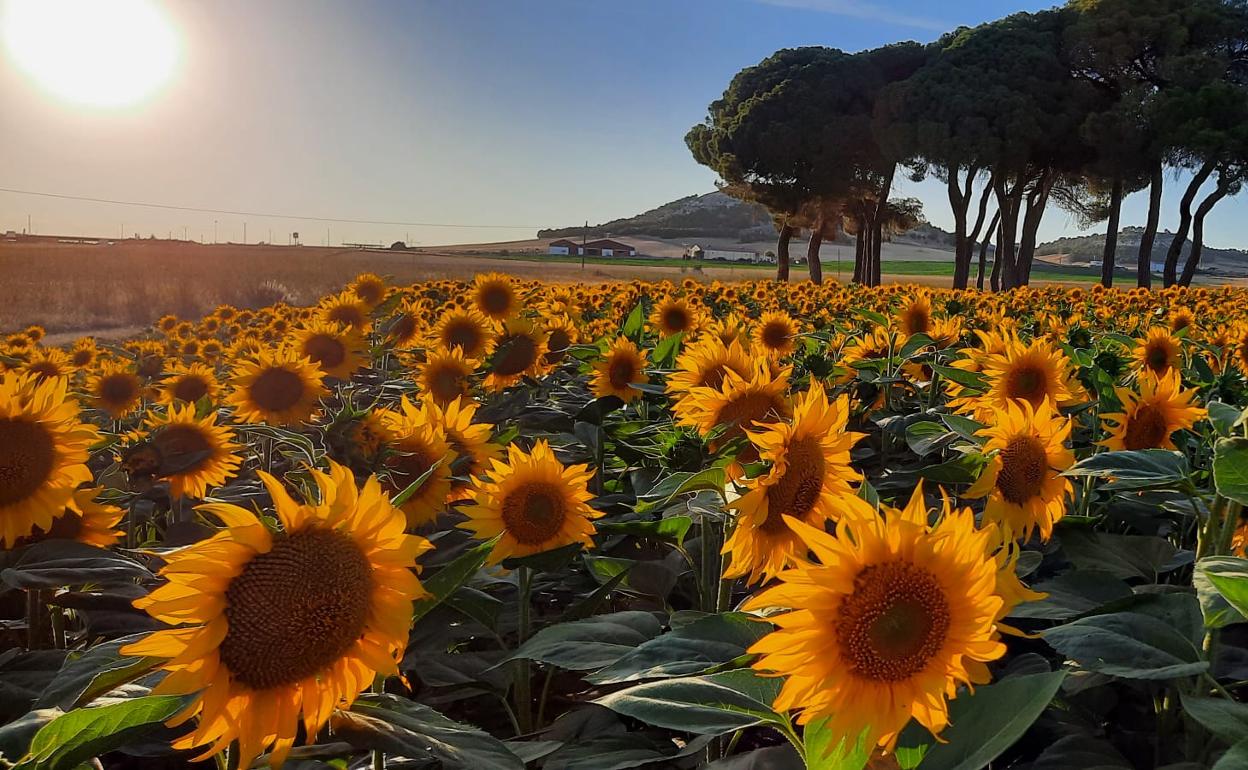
(102, 53)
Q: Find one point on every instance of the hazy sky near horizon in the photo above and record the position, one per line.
(528, 114)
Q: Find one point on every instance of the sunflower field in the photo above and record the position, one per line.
(753, 526)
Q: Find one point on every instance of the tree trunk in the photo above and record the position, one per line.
(1144, 261)
(1185, 222)
(983, 249)
(877, 234)
(1198, 232)
(963, 240)
(995, 279)
(860, 252)
(1110, 256)
(782, 252)
(812, 250)
(1037, 202)
(1010, 201)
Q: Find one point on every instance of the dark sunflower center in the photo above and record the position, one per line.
(190, 388)
(348, 315)
(1028, 382)
(150, 366)
(403, 328)
(675, 319)
(743, 411)
(797, 491)
(622, 370)
(1024, 466)
(445, 384)
(326, 350)
(495, 300)
(557, 345)
(463, 334)
(27, 458)
(81, 357)
(410, 462)
(534, 513)
(1146, 429)
(118, 389)
(43, 370)
(369, 292)
(276, 389)
(1157, 357)
(182, 448)
(893, 623)
(917, 321)
(714, 376)
(295, 610)
(775, 335)
(516, 353)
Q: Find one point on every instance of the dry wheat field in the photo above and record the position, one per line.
(509, 523)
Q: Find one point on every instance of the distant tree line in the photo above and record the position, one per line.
(1078, 106)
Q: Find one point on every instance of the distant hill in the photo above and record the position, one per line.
(716, 215)
(697, 216)
(1091, 247)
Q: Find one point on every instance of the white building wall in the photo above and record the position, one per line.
(558, 250)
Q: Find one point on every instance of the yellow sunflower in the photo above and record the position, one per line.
(738, 404)
(915, 317)
(370, 288)
(809, 480)
(469, 441)
(673, 315)
(622, 366)
(115, 389)
(534, 502)
(279, 387)
(416, 445)
(187, 384)
(704, 364)
(83, 521)
(1035, 373)
(346, 309)
(494, 295)
(49, 362)
(192, 453)
(444, 375)
(1159, 351)
(776, 334)
(520, 352)
(465, 329)
(895, 615)
(338, 350)
(561, 334)
(43, 453)
(1148, 418)
(1022, 481)
(277, 630)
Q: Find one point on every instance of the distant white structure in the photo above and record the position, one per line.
(724, 255)
(603, 247)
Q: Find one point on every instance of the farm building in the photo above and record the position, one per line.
(563, 246)
(724, 255)
(603, 247)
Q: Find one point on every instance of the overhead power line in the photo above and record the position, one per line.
(260, 213)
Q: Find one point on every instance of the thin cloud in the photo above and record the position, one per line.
(862, 10)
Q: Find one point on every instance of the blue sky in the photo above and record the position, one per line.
(534, 113)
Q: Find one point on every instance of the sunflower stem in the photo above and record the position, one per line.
(379, 756)
(523, 689)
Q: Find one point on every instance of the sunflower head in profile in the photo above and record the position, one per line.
(705, 364)
(1150, 417)
(84, 353)
(272, 630)
(519, 352)
(278, 387)
(809, 480)
(729, 328)
(561, 334)
(1159, 351)
(416, 446)
(1022, 480)
(369, 288)
(188, 384)
(338, 350)
(895, 616)
(467, 330)
(45, 363)
(116, 389)
(534, 502)
(674, 315)
(1181, 318)
(83, 521)
(346, 309)
(1036, 373)
(192, 453)
(621, 367)
(494, 296)
(405, 327)
(444, 374)
(776, 334)
(469, 441)
(44, 447)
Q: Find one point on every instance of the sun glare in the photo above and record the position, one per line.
(100, 53)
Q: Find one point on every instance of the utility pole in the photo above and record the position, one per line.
(584, 239)
(184, 232)
(29, 230)
(214, 231)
